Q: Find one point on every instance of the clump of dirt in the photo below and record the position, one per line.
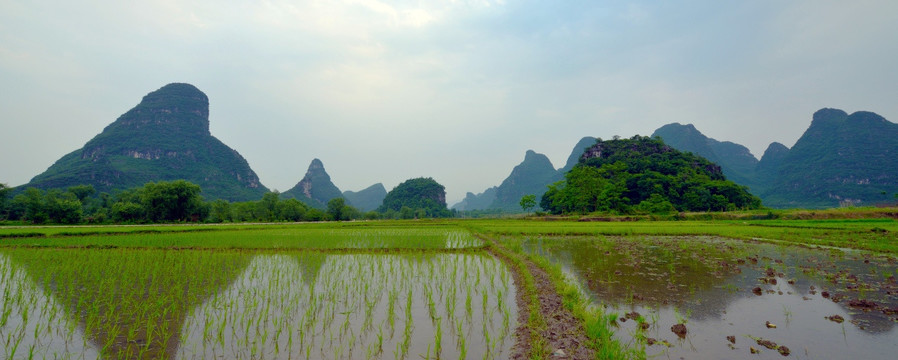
(783, 350)
(836, 318)
(679, 329)
(767, 344)
(862, 303)
(757, 290)
(731, 339)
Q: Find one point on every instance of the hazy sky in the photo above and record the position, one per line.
(383, 91)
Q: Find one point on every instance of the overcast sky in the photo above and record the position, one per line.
(384, 91)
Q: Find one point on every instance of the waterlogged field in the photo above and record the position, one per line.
(328, 293)
(712, 297)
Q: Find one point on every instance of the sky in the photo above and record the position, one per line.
(384, 91)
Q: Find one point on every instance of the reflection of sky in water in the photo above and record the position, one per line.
(26, 310)
(666, 281)
(343, 309)
(326, 306)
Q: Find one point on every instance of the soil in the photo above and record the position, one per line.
(679, 329)
(563, 331)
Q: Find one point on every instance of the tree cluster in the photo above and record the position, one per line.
(643, 175)
(415, 199)
(159, 202)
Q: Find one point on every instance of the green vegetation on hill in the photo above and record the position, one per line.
(165, 137)
(840, 160)
(642, 174)
(315, 188)
(419, 197)
(736, 161)
(530, 177)
(367, 199)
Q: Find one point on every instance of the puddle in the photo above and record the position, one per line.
(754, 292)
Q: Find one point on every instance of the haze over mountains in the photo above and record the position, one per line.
(841, 159)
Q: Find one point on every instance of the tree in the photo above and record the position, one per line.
(178, 200)
(4, 194)
(335, 208)
(528, 202)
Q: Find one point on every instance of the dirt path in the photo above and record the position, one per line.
(562, 332)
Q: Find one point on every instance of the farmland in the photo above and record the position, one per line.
(475, 289)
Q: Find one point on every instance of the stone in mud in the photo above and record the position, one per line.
(559, 354)
(784, 351)
(679, 329)
(767, 344)
(757, 290)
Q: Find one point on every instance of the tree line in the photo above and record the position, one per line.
(171, 201)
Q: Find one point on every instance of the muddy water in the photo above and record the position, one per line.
(756, 294)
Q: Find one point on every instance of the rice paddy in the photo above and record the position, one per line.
(450, 290)
(302, 293)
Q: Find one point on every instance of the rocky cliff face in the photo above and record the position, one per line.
(315, 188)
(165, 137)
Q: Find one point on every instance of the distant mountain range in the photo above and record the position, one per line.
(165, 137)
(841, 159)
(531, 176)
(316, 189)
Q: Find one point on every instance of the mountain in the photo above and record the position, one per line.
(574, 158)
(840, 159)
(736, 161)
(477, 201)
(368, 199)
(646, 175)
(315, 189)
(531, 176)
(165, 137)
(423, 194)
(769, 166)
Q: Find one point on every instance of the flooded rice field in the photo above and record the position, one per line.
(707, 297)
(67, 303)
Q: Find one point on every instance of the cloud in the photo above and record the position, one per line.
(383, 91)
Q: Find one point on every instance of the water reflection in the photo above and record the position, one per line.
(69, 303)
(23, 301)
(721, 287)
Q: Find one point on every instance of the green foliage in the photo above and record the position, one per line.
(4, 195)
(528, 202)
(339, 211)
(419, 193)
(643, 174)
(173, 201)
